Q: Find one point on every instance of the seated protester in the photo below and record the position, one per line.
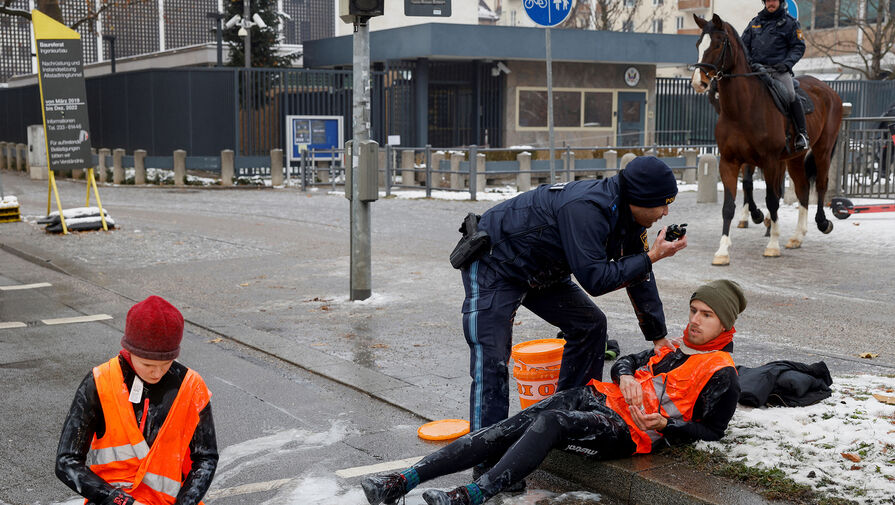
(673, 397)
(140, 428)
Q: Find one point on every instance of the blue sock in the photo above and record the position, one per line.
(412, 478)
(475, 494)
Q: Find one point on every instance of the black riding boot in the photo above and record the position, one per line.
(798, 117)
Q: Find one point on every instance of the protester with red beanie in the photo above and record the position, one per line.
(140, 429)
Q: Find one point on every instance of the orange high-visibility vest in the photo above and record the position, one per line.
(673, 394)
(123, 458)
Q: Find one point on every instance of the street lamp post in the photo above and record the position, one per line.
(246, 16)
(111, 40)
(217, 17)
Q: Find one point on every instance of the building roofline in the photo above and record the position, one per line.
(444, 41)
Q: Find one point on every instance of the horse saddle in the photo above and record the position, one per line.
(778, 91)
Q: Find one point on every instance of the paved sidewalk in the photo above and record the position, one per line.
(268, 268)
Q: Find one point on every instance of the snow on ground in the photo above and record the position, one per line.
(843, 446)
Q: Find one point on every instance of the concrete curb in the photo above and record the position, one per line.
(648, 480)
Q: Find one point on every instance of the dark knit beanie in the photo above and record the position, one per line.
(153, 330)
(649, 182)
(725, 297)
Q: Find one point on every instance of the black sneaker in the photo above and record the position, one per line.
(458, 496)
(518, 487)
(384, 488)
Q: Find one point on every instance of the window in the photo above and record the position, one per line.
(598, 109)
(658, 2)
(630, 3)
(572, 109)
(657, 26)
(679, 22)
(825, 15)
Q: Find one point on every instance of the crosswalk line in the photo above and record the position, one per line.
(379, 467)
(18, 287)
(12, 324)
(76, 319)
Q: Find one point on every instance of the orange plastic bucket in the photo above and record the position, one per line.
(536, 368)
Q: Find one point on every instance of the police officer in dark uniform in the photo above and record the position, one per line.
(594, 229)
(774, 39)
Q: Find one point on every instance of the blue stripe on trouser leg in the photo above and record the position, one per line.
(487, 324)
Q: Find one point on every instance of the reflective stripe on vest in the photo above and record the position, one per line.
(152, 475)
(672, 394)
(119, 453)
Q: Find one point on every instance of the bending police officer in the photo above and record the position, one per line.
(595, 229)
(774, 39)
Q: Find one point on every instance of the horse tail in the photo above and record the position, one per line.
(810, 167)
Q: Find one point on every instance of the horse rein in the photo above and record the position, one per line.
(717, 68)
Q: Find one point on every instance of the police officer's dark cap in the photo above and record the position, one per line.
(649, 182)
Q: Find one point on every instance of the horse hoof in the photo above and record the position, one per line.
(792, 244)
(757, 217)
(825, 229)
(743, 224)
(720, 261)
(767, 222)
(771, 253)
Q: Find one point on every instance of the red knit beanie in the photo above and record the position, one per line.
(153, 330)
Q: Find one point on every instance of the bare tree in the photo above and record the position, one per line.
(52, 9)
(610, 15)
(870, 51)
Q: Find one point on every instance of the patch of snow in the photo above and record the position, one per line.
(810, 444)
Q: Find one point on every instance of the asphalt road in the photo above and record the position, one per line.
(276, 262)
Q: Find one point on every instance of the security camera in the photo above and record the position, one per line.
(285, 16)
(233, 21)
(503, 68)
(258, 21)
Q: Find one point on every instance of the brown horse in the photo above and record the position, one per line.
(751, 130)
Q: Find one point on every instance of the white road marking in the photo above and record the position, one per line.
(379, 467)
(77, 319)
(25, 286)
(256, 487)
(12, 324)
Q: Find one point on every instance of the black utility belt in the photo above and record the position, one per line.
(472, 245)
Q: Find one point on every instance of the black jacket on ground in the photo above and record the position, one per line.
(773, 38)
(713, 409)
(85, 419)
(786, 383)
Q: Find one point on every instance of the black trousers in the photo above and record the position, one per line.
(488, 313)
(576, 419)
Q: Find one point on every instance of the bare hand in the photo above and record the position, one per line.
(662, 342)
(662, 248)
(631, 390)
(644, 421)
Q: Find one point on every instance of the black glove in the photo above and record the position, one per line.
(119, 498)
(781, 67)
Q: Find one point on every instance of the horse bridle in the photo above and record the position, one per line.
(718, 67)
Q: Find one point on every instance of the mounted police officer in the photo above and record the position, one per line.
(595, 229)
(774, 40)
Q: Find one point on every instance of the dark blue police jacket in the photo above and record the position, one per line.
(773, 38)
(584, 228)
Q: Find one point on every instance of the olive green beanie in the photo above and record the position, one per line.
(725, 297)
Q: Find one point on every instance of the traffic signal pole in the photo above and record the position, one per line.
(361, 252)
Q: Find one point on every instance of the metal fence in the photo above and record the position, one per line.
(684, 116)
(867, 158)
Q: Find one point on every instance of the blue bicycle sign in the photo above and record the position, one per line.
(548, 12)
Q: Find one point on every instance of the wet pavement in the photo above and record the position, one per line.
(269, 270)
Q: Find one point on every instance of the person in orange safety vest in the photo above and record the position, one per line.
(140, 429)
(656, 398)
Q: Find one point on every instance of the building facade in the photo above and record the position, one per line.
(153, 27)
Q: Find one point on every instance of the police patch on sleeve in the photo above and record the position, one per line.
(645, 241)
(799, 35)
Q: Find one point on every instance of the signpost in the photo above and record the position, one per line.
(549, 13)
(64, 103)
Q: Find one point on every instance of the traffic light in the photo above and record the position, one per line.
(352, 11)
